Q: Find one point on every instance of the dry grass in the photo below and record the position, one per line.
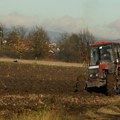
(43, 62)
(45, 115)
(107, 112)
(55, 108)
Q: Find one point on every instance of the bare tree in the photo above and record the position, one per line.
(15, 34)
(12, 38)
(40, 42)
(85, 39)
(69, 48)
(74, 47)
(20, 30)
(1, 34)
(15, 40)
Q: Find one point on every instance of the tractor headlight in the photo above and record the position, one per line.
(91, 75)
(97, 75)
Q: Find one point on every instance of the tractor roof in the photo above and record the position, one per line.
(103, 43)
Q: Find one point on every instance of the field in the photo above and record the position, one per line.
(43, 90)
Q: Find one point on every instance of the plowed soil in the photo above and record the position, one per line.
(28, 87)
(17, 78)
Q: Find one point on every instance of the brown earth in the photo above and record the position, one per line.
(18, 78)
(29, 87)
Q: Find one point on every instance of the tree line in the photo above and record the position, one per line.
(34, 43)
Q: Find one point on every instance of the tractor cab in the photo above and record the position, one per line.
(101, 54)
(104, 61)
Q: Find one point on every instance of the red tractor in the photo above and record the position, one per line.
(104, 66)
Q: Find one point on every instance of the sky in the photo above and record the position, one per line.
(101, 17)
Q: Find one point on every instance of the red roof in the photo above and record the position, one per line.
(103, 43)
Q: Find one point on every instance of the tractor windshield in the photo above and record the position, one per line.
(94, 56)
(101, 54)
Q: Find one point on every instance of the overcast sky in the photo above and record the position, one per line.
(101, 17)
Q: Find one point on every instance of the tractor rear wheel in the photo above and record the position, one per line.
(111, 84)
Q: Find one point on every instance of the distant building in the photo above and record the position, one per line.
(53, 48)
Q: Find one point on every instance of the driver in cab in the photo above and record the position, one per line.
(106, 55)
